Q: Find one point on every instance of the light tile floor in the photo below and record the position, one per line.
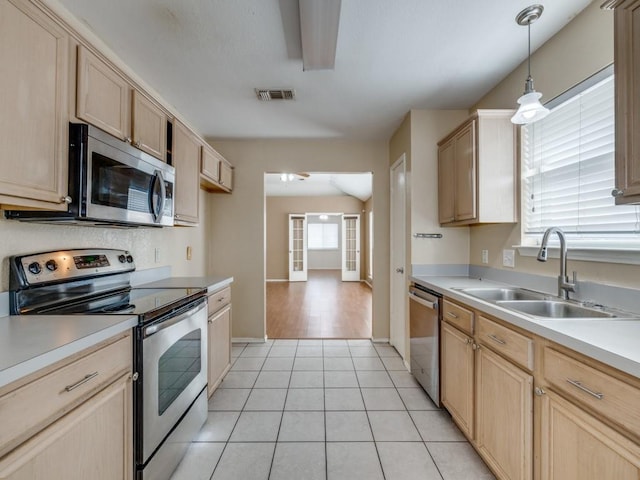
(326, 410)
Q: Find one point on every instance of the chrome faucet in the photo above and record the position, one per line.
(564, 286)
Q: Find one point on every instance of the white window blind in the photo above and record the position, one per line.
(322, 236)
(568, 172)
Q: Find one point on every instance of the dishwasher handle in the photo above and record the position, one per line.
(433, 305)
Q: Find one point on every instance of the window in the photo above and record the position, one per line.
(568, 170)
(322, 236)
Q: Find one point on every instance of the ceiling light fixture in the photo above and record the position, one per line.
(319, 21)
(287, 177)
(530, 109)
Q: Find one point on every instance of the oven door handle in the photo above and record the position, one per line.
(158, 327)
(157, 208)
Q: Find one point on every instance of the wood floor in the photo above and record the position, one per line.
(321, 307)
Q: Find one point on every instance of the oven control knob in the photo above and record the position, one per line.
(129, 259)
(51, 265)
(122, 258)
(35, 268)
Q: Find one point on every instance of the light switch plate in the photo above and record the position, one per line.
(485, 256)
(509, 258)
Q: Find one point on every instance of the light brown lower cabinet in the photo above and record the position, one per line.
(504, 415)
(457, 392)
(585, 425)
(576, 445)
(219, 347)
(218, 337)
(92, 441)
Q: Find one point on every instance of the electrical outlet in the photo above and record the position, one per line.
(189, 253)
(485, 256)
(509, 258)
(157, 255)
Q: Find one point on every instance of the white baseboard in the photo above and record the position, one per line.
(380, 340)
(367, 283)
(247, 340)
(277, 280)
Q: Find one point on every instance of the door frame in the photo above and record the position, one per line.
(398, 272)
(298, 275)
(354, 275)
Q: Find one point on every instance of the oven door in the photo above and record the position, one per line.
(125, 184)
(174, 367)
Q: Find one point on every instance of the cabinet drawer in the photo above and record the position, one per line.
(458, 316)
(608, 396)
(28, 409)
(511, 344)
(219, 299)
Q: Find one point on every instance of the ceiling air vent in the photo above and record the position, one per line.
(266, 94)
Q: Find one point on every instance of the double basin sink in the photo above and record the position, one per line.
(539, 304)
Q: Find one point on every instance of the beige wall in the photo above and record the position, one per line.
(582, 48)
(237, 228)
(21, 238)
(278, 210)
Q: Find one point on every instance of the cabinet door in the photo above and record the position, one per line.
(226, 176)
(103, 96)
(456, 388)
(186, 160)
(149, 126)
(504, 416)
(33, 94)
(446, 183)
(576, 445)
(93, 441)
(465, 173)
(219, 347)
(210, 167)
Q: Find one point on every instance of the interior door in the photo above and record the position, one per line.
(398, 318)
(351, 248)
(297, 248)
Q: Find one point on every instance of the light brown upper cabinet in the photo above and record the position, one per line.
(627, 78)
(216, 174)
(107, 100)
(477, 171)
(34, 121)
(186, 160)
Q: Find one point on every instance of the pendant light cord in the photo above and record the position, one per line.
(529, 50)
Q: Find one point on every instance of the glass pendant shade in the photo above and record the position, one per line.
(530, 109)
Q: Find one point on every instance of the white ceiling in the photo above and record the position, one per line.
(206, 57)
(357, 185)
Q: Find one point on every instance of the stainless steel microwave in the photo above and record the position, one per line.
(111, 183)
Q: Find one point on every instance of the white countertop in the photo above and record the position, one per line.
(211, 282)
(31, 342)
(611, 341)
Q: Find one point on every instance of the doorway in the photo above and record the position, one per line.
(317, 244)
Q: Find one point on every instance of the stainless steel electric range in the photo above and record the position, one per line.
(170, 346)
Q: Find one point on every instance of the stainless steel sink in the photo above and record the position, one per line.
(495, 294)
(553, 309)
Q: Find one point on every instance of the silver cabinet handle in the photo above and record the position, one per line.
(66, 199)
(539, 391)
(452, 315)
(86, 378)
(400, 270)
(496, 339)
(617, 192)
(580, 386)
(210, 321)
(136, 144)
(127, 139)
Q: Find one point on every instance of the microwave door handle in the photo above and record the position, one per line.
(158, 209)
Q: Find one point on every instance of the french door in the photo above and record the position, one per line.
(297, 248)
(351, 248)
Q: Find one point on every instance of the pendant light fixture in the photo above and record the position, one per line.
(530, 109)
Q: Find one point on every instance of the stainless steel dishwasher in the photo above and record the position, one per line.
(424, 327)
